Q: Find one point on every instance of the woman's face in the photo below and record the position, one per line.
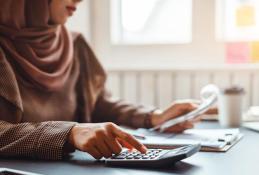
(61, 10)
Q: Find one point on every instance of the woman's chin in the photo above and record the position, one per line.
(64, 20)
(59, 21)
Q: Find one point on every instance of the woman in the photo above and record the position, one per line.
(52, 95)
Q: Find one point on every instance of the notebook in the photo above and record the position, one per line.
(213, 140)
(252, 125)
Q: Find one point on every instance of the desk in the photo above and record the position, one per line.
(242, 159)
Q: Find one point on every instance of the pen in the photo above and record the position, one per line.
(140, 137)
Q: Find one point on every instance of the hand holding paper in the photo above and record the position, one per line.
(176, 109)
(181, 116)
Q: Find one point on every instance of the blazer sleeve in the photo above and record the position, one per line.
(44, 140)
(120, 112)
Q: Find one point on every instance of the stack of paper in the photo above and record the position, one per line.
(219, 140)
(252, 125)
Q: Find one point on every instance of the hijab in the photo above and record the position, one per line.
(41, 53)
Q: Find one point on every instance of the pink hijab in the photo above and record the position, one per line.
(41, 53)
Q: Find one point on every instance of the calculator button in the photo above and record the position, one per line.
(138, 155)
(151, 154)
(119, 157)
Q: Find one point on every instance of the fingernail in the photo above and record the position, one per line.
(144, 149)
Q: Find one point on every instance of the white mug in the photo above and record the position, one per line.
(230, 104)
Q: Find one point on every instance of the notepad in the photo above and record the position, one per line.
(252, 125)
(213, 140)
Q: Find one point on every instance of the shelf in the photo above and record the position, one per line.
(216, 67)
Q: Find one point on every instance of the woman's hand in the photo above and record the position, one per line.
(102, 139)
(175, 110)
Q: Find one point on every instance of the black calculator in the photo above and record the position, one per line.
(8, 171)
(153, 157)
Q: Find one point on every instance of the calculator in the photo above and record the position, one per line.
(153, 157)
(8, 171)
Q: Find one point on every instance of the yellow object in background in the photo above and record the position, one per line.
(254, 47)
(245, 16)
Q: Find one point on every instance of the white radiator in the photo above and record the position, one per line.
(159, 88)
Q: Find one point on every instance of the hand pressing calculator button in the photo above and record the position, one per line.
(153, 157)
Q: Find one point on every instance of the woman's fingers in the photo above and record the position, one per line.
(113, 144)
(180, 127)
(176, 129)
(212, 111)
(129, 138)
(95, 153)
(178, 109)
(133, 142)
(187, 125)
(125, 144)
(103, 148)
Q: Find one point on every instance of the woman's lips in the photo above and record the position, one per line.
(71, 10)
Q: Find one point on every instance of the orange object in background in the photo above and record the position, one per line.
(254, 46)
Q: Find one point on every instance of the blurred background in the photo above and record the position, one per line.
(157, 51)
